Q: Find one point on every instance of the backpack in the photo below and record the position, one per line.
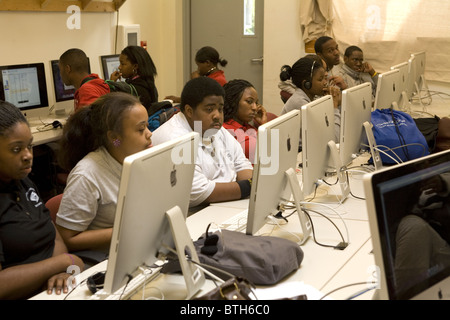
(160, 112)
(119, 86)
(397, 136)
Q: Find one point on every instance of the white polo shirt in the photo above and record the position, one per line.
(219, 159)
(90, 197)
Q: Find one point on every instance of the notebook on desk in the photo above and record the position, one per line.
(409, 216)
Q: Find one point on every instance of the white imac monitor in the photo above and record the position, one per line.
(356, 109)
(403, 85)
(408, 214)
(25, 87)
(110, 63)
(319, 146)
(275, 181)
(419, 72)
(151, 210)
(388, 90)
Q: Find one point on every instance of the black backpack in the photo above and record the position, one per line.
(119, 86)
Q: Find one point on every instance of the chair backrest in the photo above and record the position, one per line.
(52, 205)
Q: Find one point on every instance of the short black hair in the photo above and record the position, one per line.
(350, 50)
(76, 59)
(320, 42)
(198, 89)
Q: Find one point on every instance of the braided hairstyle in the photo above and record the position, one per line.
(10, 115)
(233, 94)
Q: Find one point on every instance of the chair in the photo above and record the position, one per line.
(52, 205)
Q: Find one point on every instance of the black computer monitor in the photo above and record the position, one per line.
(62, 92)
(24, 86)
(110, 63)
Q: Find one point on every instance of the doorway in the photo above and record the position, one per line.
(235, 29)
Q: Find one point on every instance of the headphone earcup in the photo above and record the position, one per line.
(307, 85)
(210, 246)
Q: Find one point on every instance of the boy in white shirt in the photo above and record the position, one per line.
(222, 172)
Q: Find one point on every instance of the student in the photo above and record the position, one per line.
(137, 67)
(222, 171)
(310, 78)
(32, 253)
(207, 60)
(328, 49)
(355, 71)
(74, 71)
(243, 114)
(94, 144)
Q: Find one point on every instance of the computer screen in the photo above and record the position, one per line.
(319, 152)
(408, 207)
(153, 182)
(110, 63)
(356, 109)
(388, 89)
(24, 85)
(276, 157)
(62, 92)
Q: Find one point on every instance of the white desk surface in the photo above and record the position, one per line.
(48, 134)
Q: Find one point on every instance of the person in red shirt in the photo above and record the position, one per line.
(74, 71)
(243, 114)
(207, 60)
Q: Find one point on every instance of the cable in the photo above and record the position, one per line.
(343, 287)
(314, 233)
(130, 277)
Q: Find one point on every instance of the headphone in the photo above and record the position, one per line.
(308, 83)
(210, 245)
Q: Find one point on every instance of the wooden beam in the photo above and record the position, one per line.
(85, 4)
(60, 5)
(44, 3)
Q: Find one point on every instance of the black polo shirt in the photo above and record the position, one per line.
(27, 233)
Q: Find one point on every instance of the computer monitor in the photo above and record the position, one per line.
(152, 206)
(388, 90)
(109, 63)
(403, 85)
(410, 229)
(419, 70)
(25, 86)
(356, 108)
(62, 91)
(319, 149)
(274, 180)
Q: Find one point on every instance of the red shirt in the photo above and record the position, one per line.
(246, 135)
(219, 76)
(90, 91)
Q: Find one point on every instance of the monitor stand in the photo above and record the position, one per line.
(193, 276)
(298, 197)
(372, 146)
(340, 170)
(423, 86)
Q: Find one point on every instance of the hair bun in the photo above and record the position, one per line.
(285, 73)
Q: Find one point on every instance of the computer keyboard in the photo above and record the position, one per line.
(127, 291)
(237, 222)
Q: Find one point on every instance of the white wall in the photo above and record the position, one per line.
(283, 44)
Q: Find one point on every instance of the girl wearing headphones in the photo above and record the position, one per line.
(309, 76)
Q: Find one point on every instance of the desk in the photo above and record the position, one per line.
(322, 268)
(49, 134)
